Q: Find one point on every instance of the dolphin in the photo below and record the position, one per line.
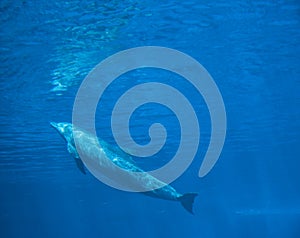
(105, 155)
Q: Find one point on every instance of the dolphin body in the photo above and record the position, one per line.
(104, 155)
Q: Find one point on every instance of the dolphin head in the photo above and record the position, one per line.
(64, 129)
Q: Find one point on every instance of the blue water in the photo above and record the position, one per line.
(251, 49)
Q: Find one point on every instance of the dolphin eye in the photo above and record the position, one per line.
(66, 129)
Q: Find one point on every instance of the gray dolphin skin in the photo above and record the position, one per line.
(104, 155)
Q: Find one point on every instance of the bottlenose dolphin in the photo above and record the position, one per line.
(103, 154)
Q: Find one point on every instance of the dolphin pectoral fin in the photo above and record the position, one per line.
(187, 201)
(73, 151)
(80, 165)
(76, 157)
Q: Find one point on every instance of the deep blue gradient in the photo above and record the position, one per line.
(251, 49)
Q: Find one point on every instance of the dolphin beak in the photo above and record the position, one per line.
(54, 124)
(58, 128)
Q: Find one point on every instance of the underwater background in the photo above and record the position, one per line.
(251, 49)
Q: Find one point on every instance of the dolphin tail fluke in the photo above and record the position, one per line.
(187, 201)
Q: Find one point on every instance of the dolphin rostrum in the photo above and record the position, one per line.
(104, 155)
